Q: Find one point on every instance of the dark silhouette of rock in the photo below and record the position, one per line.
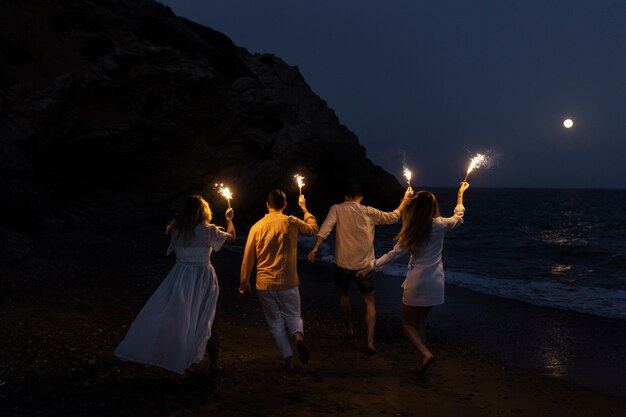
(113, 110)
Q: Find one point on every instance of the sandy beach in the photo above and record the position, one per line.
(56, 354)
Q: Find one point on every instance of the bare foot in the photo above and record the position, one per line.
(426, 362)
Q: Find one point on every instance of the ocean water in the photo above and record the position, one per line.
(558, 248)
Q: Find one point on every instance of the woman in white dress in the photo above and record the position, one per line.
(422, 233)
(173, 328)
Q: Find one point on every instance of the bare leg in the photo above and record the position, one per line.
(346, 311)
(369, 302)
(421, 328)
(412, 322)
(303, 352)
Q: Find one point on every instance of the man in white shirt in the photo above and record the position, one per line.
(354, 250)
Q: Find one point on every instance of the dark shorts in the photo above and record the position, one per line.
(343, 278)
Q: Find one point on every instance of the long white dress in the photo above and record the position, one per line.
(173, 327)
(424, 285)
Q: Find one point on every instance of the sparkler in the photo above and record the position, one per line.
(300, 180)
(225, 192)
(475, 163)
(408, 174)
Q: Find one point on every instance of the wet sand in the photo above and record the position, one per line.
(580, 348)
(56, 354)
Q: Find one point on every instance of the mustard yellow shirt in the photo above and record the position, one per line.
(272, 245)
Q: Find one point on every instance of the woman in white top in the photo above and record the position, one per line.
(422, 233)
(173, 328)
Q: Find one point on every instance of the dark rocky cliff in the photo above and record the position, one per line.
(111, 109)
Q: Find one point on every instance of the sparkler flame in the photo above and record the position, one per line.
(408, 174)
(475, 162)
(300, 180)
(224, 192)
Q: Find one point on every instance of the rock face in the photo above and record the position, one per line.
(114, 107)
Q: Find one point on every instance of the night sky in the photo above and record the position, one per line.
(436, 81)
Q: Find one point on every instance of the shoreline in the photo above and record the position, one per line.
(57, 357)
(567, 345)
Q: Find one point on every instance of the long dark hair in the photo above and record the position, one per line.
(417, 221)
(196, 211)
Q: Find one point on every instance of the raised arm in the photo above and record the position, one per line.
(383, 217)
(464, 186)
(308, 227)
(408, 194)
(459, 211)
(230, 226)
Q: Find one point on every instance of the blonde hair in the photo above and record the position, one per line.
(417, 222)
(196, 211)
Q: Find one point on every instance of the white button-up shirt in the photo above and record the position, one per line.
(354, 237)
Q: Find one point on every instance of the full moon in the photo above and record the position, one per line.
(568, 123)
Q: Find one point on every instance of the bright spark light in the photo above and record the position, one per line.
(408, 174)
(475, 163)
(300, 181)
(568, 123)
(224, 192)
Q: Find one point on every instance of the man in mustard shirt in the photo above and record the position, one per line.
(272, 245)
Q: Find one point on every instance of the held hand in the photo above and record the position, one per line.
(302, 202)
(245, 291)
(408, 193)
(230, 214)
(311, 256)
(364, 271)
(463, 186)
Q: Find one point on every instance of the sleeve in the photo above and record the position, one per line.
(217, 237)
(329, 222)
(308, 227)
(393, 254)
(383, 217)
(456, 220)
(249, 257)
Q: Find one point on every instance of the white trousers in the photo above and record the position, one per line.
(282, 313)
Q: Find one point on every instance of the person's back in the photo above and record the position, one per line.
(175, 326)
(354, 235)
(198, 249)
(422, 235)
(275, 239)
(354, 249)
(272, 246)
(432, 250)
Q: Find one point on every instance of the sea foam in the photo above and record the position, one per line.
(589, 300)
